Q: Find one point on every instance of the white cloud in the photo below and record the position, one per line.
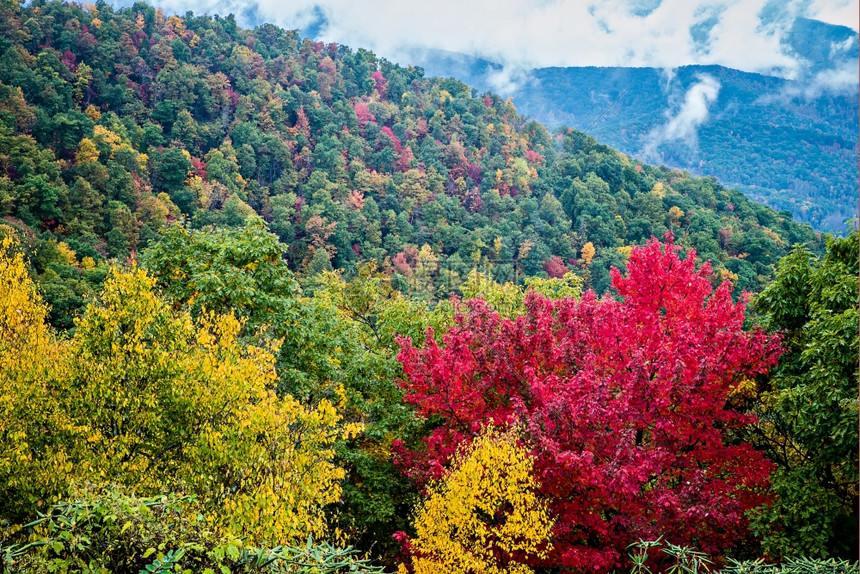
(841, 12)
(684, 124)
(521, 34)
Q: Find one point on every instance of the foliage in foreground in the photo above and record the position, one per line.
(150, 399)
(484, 516)
(674, 559)
(808, 409)
(112, 532)
(626, 401)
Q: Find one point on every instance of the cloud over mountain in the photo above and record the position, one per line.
(683, 125)
(747, 35)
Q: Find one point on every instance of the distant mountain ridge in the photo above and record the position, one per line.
(791, 144)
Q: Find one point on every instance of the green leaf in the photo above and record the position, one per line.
(232, 552)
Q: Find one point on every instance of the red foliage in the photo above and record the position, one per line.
(473, 201)
(404, 162)
(68, 58)
(362, 112)
(476, 172)
(533, 157)
(624, 401)
(380, 81)
(199, 167)
(725, 237)
(397, 145)
(555, 267)
(401, 265)
(303, 123)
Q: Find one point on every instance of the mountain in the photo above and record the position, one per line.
(789, 143)
(117, 122)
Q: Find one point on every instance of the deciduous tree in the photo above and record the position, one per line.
(808, 409)
(484, 516)
(624, 400)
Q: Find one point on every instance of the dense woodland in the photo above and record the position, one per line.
(268, 304)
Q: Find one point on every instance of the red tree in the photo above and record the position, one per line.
(555, 267)
(625, 402)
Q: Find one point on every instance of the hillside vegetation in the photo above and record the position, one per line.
(269, 305)
(791, 144)
(114, 123)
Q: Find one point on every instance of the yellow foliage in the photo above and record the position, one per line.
(172, 403)
(175, 24)
(106, 136)
(726, 275)
(772, 234)
(525, 249)
(87, 151)
(745, 388)
(588, 252)
(31, 467)
(570, 285)
(482, 512)
(67, 253)
(142, 161)
(147, 398)
(676, 213)
(659, 190)
(505, 298)
(93, 113)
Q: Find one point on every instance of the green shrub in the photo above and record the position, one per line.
(113, 532)
(674, 559)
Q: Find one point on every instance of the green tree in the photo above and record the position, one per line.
(170, 169)
(808, 410)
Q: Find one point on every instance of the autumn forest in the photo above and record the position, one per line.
(274, 305)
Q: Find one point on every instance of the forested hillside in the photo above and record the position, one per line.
(271, 305)
(791, 144)
(117, 122)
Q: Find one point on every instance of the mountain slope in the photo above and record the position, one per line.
(116, 122)
(789, 143)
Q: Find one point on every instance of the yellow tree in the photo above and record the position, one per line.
(147, 398)
(33, 464)
(485, 515)
(507, 298)
(588, 252)
(172, 403)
